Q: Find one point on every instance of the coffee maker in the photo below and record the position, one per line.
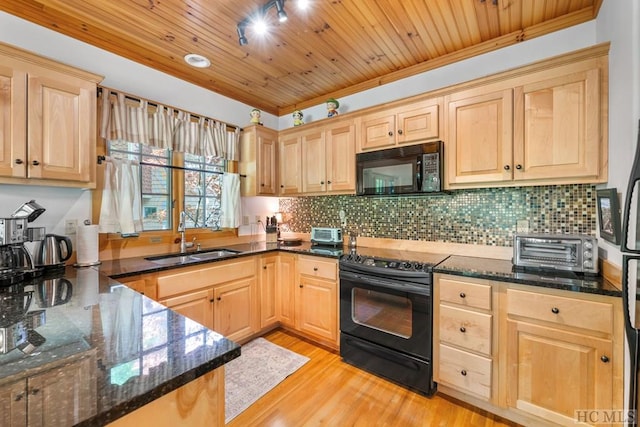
(16, 262)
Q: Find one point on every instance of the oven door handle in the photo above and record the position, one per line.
(387, 283)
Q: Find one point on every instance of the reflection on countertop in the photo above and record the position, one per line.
(504, 271)
(131, 349)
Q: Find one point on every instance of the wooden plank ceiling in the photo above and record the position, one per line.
(333, 49)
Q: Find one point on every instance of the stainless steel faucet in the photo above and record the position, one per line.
(181, 227)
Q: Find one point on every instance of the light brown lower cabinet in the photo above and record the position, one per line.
(533, 355)
(42, 399)
(316, 299)
(221, 296)
(240, 297)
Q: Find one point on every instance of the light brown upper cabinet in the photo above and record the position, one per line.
(543, 127)
(415, 122)
(47, 121)
(327, 159)
(258, 161)
(290, 150)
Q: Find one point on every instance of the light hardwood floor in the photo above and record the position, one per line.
(328, 392)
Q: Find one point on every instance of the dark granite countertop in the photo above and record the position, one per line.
(139, 265)
(503, 271)
(139, 349)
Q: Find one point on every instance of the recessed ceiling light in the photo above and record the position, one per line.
(197, 61)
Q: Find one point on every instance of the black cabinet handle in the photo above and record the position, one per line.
(518, 167)
(463, 373)
(300, 285)
(281, 186)
(399, 131)
(19, 161)
(34, 391)
(507, 167)
(264, 267)
(35, 163)
(390, 133)
(462, 295)
(555, 310)
(322, 182)
(211, 300)
(605, 359)
(219, 298)
(328, 182)
(261, 185)
(19, 397)
(463, 329)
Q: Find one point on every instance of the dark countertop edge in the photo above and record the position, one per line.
(304, 249)
(528, 282)
(147, 268)
(120, 410)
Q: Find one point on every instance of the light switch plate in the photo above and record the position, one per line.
(522, 226)
(70, 226)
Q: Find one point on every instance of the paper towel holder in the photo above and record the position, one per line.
(86, 264)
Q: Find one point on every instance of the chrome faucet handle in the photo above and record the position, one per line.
(181, 223)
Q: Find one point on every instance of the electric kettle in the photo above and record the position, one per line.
(53, 251)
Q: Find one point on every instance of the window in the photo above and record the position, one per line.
(201, 190)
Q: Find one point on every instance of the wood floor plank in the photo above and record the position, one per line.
(328, 392)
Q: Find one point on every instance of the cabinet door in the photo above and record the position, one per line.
(13, 122)
(418, 123)
(317, 305)
(557, 127)
(286, 289)
(377, 131)
(341, 158)
(197, 306)
(234, 315)
(268, 292)
(314, 162)
(552, 372)
(53, 392)
(266, 167)
(13, 404)
(480, 139)
(290, 165)
(61, 135)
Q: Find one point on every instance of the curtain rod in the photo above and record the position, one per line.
(155, 104)
(103, 158)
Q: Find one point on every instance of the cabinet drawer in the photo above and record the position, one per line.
(313, 266)
(468, 329)
(597, 316)
(204, 276)
(465, 371)
(464, 293)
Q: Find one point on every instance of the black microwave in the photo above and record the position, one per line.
(403, 170)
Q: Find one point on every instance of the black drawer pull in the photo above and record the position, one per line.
(555, 310)
(462, 295)
(463, 373)
(463, 329)
(605, 359)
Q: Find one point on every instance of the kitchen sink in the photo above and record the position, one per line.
(191, 257)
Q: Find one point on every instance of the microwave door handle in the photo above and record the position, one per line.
(635, 177)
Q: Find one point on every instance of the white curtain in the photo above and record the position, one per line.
(230, 213)
(121, 210)
(165, 127)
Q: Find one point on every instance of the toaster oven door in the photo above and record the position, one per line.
(556, 254)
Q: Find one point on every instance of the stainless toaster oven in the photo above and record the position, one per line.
(565, 252)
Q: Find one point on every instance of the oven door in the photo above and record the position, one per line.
(392, 313)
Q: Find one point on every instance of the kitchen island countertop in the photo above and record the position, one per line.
(138, 350)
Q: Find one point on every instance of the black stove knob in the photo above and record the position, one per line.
(418, 266)
(407, 266)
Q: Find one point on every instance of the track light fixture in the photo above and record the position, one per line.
(258, 17)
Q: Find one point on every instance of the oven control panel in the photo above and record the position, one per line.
(385, 263)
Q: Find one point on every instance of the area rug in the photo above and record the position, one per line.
(261, 366)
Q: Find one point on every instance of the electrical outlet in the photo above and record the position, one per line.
(70, 226)
(245, 220)
(522, 226)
